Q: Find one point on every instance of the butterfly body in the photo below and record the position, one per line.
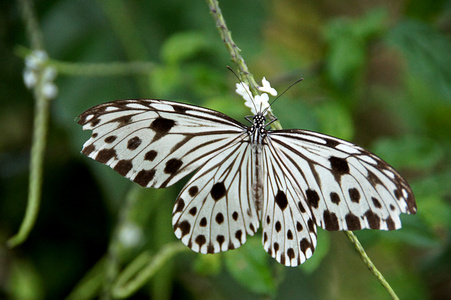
(289, 180)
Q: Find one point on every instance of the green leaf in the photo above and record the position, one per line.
(183, 46)
(426, 52)
(249, 265)
(209, 264)
(416, 152)
(335, 120)
(347, 41)
(165, 80)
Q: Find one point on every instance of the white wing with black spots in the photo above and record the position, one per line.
(345, 186)
(289, 232)
(214, 212)
(155, 142)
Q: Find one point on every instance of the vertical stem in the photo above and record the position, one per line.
(40, 128)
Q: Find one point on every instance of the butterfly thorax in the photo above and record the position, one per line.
(257, 131)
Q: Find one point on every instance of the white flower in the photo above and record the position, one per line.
(267, 88)
(49, 90)
(258, 103)
(36, 59)
(29, 77)
(37, 70)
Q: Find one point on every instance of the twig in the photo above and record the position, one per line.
(41, 120)
(370, 264)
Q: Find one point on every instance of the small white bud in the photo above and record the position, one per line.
(49, 74)
(49, 90)
(29, 78)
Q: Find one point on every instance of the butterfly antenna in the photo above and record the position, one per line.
(247, 91)
(297, 81)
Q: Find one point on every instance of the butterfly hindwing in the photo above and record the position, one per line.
(214, 212)
(289, 232)
(155, 142)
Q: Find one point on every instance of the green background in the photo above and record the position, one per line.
(377, 73)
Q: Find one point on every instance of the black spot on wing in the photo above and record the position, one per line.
(334, 198)
(193, 211)
(278, 226)
(124, 120)
(184, 227)
(161, 126)
(312, 198)
(354, 194)
(305, 244)
(390, 224)
(88, 150)
(123, 166)
(374, 221)
(144, 177)
(179, 205)
(301, 207)
(353, 222)
(238, 235)
(150, 155)
(281, 200)
(290, 253)
(376, 202)
(373, 179)
(110, 139)
(330, 221)
(219, 218)
(220, 239)
(299, 227)
(218, 191)
(134, 143)
(192, 191)
(339, 165)
(200, 240)
(105, 155)
(172, 166)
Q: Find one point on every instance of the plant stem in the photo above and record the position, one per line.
(233, 49)
(370, 264)
(244, 74)
(40, 129)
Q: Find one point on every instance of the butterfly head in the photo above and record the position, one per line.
(257, 131)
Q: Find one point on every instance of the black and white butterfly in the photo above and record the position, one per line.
(289, 180)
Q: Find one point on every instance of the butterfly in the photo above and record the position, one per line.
(290, 181)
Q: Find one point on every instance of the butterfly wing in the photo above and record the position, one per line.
(289, 232)
(156, 142)
(215, 212)
(343, 185)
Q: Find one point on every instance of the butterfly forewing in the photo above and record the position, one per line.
(155, 142)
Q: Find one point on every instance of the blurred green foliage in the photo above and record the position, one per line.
(377, 73)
